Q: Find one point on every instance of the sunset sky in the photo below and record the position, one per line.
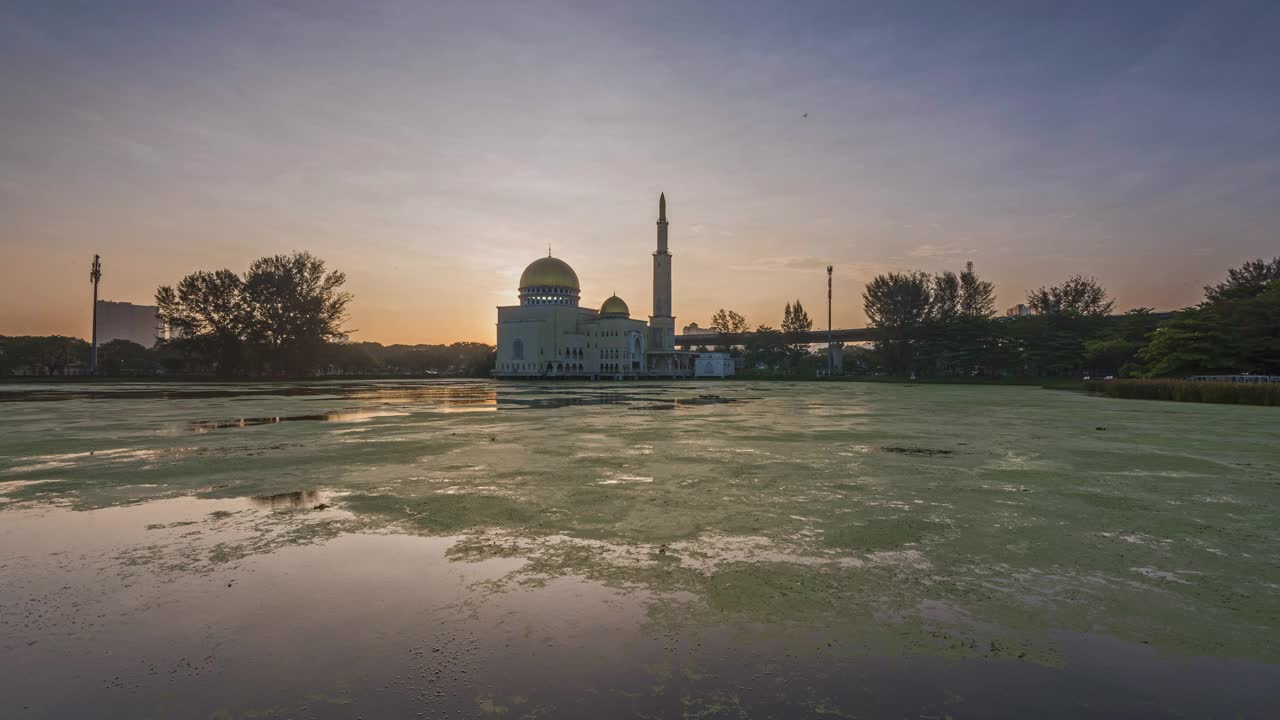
(431, 149)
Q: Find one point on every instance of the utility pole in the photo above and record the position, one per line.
(830, 349)
(95, 274)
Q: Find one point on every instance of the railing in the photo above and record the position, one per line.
(1236, 378)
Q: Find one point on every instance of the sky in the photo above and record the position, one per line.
(431, 150)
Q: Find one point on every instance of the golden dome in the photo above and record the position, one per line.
(549, 272)
(615, 306)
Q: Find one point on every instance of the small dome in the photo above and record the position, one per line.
(615, 306)
(549, 272)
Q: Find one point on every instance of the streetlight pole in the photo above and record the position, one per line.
(830, 348)
(95, 274)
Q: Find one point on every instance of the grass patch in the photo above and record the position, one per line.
(445, 513)
(881, 533)
(1227, 393)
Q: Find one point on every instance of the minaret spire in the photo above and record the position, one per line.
(661, 323)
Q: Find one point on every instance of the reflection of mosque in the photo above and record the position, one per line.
(549, 335)
(288, 500)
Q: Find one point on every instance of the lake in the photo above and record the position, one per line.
(703, 550)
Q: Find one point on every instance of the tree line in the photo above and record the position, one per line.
(283, 317)
(946, 324)
(55, 355)
(272, 320)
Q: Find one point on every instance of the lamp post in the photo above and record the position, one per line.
(830, 349)
(95, 274)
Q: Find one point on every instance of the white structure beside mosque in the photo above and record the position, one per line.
(549, 335)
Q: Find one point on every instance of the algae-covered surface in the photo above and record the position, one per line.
(701, 550)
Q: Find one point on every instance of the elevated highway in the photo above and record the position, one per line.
(817, 337)
(813, 336)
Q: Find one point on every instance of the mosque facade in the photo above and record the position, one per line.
(549, 334)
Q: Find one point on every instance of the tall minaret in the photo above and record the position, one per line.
(662, 325)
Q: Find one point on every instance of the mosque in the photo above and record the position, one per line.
(549, 335)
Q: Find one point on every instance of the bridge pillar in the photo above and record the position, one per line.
(837, 358)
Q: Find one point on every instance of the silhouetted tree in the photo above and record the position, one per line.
(1235, 329)
(897, 305)
(1248, 280)
(43, 354)
(795, 323)
(977, 297)
(1115, 352)
(945, 297)
(280, 315)
(121, 356)
(767, 346)
(296, 307)
(726, 322)
(1078, 295)
(208, 315)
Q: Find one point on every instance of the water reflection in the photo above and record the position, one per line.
(544, 399)
(355, 415)
(290, 500)
(806, 509)
(419, 635)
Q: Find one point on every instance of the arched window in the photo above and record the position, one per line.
(517, 349)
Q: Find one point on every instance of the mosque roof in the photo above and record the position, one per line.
(614, 306)
(549, 272)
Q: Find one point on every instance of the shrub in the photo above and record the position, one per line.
(1228, 393)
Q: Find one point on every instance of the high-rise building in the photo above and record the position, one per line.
(693, 329)
(126, 321)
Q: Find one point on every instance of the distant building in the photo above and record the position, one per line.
(549, 335)
(714, 364)
(693, 329)
(1018, 310)
(126, 321)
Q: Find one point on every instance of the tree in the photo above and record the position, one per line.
(1245, 281)
(1194, 340)
(1079, 295)
(1235, 329)
(767, 347)
(296, 308)
(897, 304)
(795, 323)
(44, 354)
(1115, 352)
(728, 323)
(1227, 335)
(209, 315)
(279, 316)
(946, 298)
(122, 355)
(977, 297)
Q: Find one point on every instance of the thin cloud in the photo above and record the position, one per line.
(931, 250)
(783, 262)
